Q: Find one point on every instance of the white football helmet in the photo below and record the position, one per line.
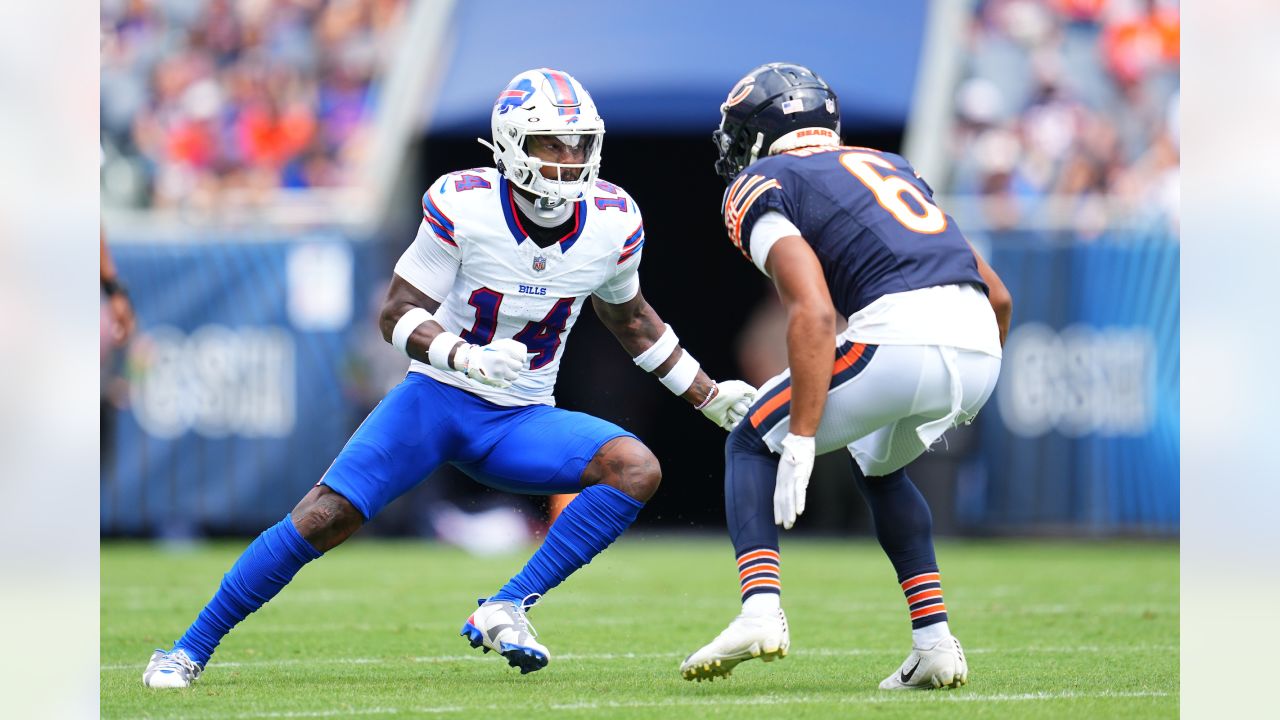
(546, 102)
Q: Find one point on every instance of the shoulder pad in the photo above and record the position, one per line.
(459, 182)
(612, 200)
(436, 212)
(604, 195)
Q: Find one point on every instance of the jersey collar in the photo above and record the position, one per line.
(512, 216)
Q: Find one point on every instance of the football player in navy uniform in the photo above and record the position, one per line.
(854, 231)
(482, 303)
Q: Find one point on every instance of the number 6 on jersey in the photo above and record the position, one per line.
(889, 190)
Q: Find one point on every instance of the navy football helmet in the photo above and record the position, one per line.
(770, 110)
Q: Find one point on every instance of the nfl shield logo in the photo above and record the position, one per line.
(539, 262)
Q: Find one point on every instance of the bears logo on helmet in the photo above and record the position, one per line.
(739, 92)
(771, 104)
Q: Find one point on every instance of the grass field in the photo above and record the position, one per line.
(1051, 629)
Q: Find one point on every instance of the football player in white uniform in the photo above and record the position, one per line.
(482, 303)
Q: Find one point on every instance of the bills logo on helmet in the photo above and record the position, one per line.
(515, 95)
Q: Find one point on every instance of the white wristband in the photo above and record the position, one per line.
(658, 352)
(438, 353)
(682, 374)
(405, 326)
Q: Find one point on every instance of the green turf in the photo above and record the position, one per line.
(1051, 629)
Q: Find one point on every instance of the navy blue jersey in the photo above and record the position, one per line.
(867, 215)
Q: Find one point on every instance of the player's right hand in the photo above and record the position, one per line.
(497, 364)
(794, 468)
(732, 401)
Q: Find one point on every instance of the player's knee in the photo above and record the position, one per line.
(646, 473)
(325, 519)
(628, 465)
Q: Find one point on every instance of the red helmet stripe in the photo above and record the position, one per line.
(565, 94)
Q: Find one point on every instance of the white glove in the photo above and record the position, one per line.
(497, 364)
(794, 469)
(730, 403)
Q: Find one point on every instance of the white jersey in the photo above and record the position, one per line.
(473, 254)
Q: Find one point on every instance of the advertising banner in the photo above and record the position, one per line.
(1082, 434)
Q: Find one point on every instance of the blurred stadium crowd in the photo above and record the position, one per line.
(207, 101)
(228, 100)
(1068, 113)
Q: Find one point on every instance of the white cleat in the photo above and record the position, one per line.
(747, 637)
(171, 669)
(942, 665)
(502, 625)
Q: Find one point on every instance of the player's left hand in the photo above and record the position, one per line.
(794, 469)
(732, 401)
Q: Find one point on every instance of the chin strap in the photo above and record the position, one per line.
(755, 149)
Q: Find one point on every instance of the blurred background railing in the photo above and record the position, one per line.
(262, 168)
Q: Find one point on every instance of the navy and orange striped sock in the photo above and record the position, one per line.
(758, 573)
(924, 603)
(924, 599)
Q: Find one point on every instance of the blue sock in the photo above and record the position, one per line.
(904, 527)
(265, 567)
(750, 473)
(586, 527)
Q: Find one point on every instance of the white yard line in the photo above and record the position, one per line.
(878, 699)
(672, 655)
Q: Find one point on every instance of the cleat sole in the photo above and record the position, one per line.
(518, 656)
(723, 667)
(527, 659)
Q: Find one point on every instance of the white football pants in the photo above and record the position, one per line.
(894, 408)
